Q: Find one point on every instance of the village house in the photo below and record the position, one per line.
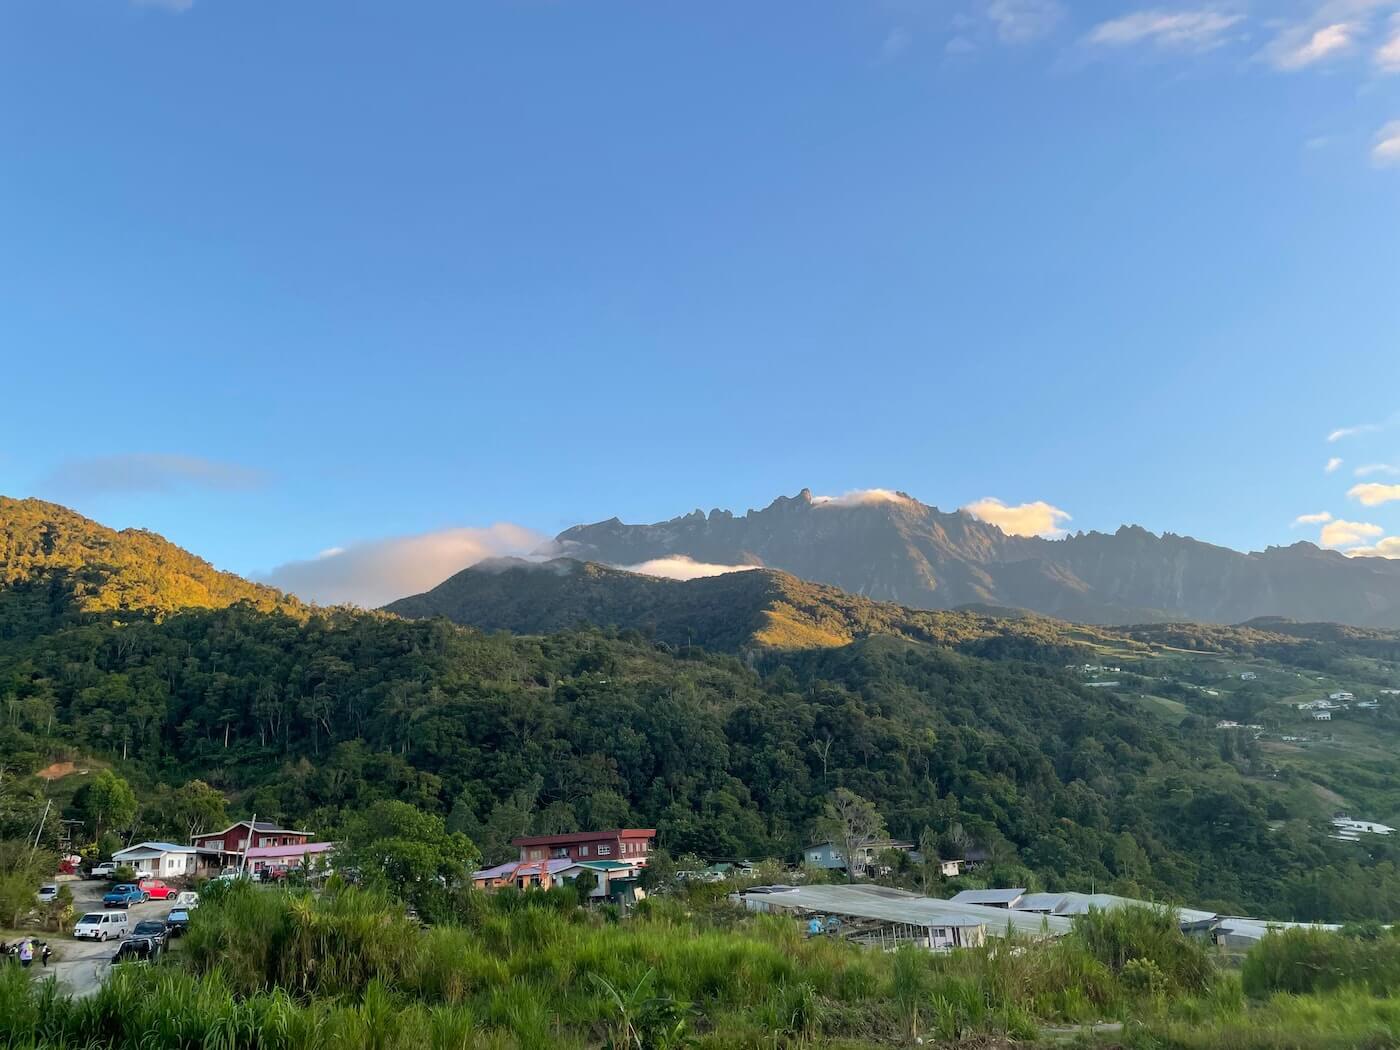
(277, 861)
(239, 836)
(613, 880)
(1322, 716)
(234, 841)
(632, 845)
(1248, 676)
(828, 855)
(166, 860)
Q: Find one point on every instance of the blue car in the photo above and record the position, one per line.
(124, 894)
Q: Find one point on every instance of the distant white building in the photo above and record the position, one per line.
(1342, 697)
(1322, 716)
(1318, 705)
(1350, 828)
(1248, 676)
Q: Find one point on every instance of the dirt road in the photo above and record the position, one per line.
(82, 966)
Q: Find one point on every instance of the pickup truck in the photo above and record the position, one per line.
(122, 895)
(103, 871)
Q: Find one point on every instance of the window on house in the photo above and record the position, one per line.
(604, 851)
(583, 851)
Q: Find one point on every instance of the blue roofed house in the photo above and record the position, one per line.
(828, 855)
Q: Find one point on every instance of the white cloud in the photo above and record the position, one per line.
(375, 572)
(1319, 518)
(1385, 152)
(1024, 519)
(1368, 469)
(1023, 21)
(1302, 46)
(1333, 464)
(1341, 533)
(897, 42)
(679, 567)
(1386, 548)
(1183, 30)
(861, 497)
(145, 472)
(959, 45)
(1373, 494)
(1341, 433)
(1388, 54)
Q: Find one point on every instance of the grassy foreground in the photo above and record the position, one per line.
(348, 970)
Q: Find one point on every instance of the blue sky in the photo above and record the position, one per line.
(278, 278)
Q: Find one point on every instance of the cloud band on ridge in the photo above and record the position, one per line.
(375, 572)
(1025, 519)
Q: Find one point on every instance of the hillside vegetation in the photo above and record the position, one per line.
(754, 609)
(986, 740)
(57, 567)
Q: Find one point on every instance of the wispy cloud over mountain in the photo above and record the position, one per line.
(375, 572)
(1025, 519)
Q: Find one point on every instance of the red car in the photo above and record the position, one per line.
(156, 890)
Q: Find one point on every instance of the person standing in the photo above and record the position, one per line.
(44, 955)
(26, 952)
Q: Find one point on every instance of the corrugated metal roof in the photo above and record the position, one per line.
(1046, 902)
(890, 905)
(989, 896)
(159, 847)
(259, 852)
(532, 867)
(1071, 903)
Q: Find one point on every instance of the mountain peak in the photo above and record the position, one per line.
(901, 550)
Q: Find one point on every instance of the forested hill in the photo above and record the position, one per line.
(56, 565)
(756, 609)
(309, 715)
(309, 719)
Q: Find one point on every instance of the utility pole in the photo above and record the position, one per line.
(252, 831)
(39, 834)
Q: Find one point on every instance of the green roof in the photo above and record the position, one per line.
(605, 865)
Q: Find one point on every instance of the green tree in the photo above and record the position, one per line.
(585, 884)
(852, 824)
(410, 854)
(197, 807)
(106, 801)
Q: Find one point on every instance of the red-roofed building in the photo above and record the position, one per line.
(631, 845)
(237, 839)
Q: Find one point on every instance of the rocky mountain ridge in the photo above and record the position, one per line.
(900, 550)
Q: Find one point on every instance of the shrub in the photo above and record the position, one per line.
(1302, 961)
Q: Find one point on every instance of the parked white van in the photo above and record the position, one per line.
(102, 926)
